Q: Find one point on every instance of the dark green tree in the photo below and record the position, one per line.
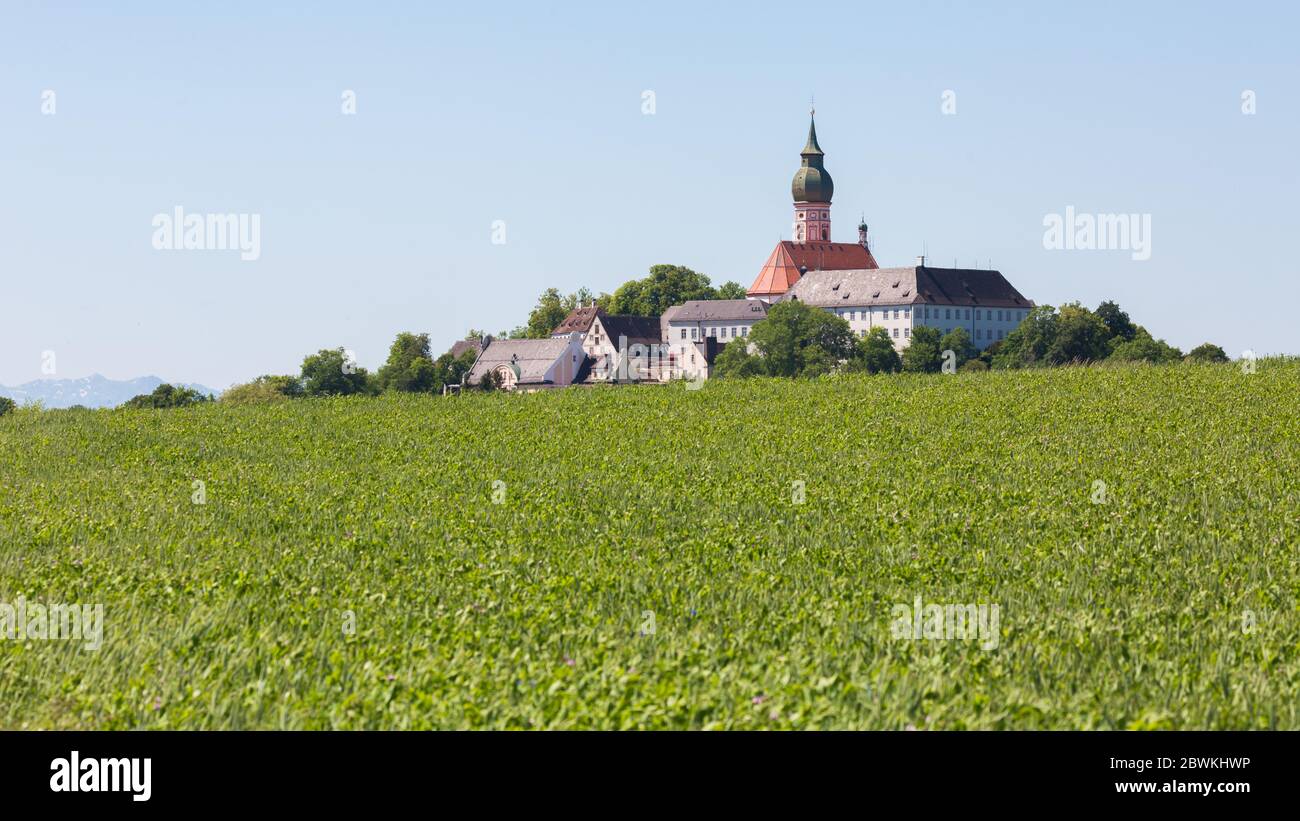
(959, 342)
(923, 354)
(1206, 353)
(1081, 336)
(7, 405)
(410, 367)
(329, 372)
(1027, 345)
(1118, 325)
(731, 290)
(876, 353)
(167, 396)
(796, 339)
(1143, 348)
(666, 286)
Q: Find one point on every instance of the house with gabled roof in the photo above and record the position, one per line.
(530, 364)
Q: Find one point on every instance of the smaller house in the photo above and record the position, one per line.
(686, 329)
(530, 364)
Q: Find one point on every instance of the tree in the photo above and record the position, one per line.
(923, 354)
(1027, 345)
(1081, 336)
(731, 290)
(736, 362)
(876, 353)
(1118, 326)
(959, 342)
(167, 396)
(489, 381)
(329, 372)
(448, 370)
(666, 286)
(1143, 348)
(263, 389)
(796, 339)
(410, 367)
(551, 309)
(973, 365)
(1205, 353)
(7, 405)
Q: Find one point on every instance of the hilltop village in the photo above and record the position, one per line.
(593, 347)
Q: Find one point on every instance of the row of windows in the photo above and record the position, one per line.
(931, 313)
(1002, 315)
(854, 316)
(980, 333)
(720, 333)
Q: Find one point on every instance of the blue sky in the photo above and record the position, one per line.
(382, 222)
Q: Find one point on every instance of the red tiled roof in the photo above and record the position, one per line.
(783, 267)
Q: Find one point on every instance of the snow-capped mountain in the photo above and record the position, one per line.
(93, 391)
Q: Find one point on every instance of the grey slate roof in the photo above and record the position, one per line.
(534, 357)
(719, 310)
(637, 329)
(460, 346)
(906, 286)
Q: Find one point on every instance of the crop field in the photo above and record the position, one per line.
(730, 557)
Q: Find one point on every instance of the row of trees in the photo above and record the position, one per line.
(798, 340)
(410, 368)
(664, 287)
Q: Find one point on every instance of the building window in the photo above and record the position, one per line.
(947, 313)
(968, 313)
(895, 333)
(683, 333)
(907, 332)
(695, 333)
(999, 334)
(907, 312)
(977, 313)
(744, 331)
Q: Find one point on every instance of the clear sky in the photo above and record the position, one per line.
(531, 113)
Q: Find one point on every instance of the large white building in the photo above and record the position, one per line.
(900, 299)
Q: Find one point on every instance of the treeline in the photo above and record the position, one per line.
(798, 340)
(664, 287)
(411, 367)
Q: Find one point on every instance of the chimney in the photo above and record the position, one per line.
(920, 261)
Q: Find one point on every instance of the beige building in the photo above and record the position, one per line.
(528, 364)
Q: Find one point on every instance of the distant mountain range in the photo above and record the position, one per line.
(93, 391)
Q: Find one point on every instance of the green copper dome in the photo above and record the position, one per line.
(811, 182)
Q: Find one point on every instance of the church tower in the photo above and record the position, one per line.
(812, 189)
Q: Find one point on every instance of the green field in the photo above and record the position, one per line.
(350, 567)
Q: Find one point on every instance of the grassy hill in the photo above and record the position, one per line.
(354, 565)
